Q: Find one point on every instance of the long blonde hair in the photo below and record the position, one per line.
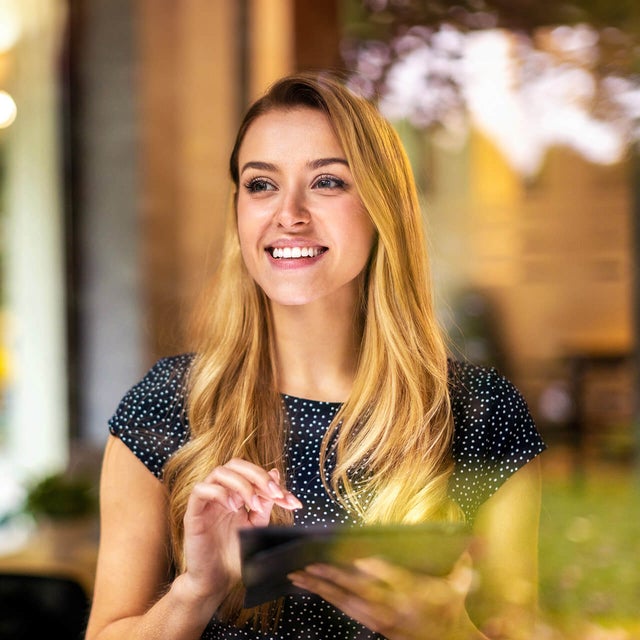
(391, 440)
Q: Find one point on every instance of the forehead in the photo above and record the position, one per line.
(300, 129)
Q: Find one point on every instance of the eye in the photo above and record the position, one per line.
(258, 185)
(329, 182)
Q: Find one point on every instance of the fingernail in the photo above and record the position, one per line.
(363, 563)
(232, 505)
(275, 490)
(275, 474)
(292, 501)
(256, 505)
(316, 569)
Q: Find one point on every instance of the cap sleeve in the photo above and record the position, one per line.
(151, 418)
(495, 434)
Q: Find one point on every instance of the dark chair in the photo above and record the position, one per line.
(33, 607)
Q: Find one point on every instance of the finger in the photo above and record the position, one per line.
(236, 502)
(375, 615)
(315, 583)
(249, 480)
(268, 482)
(420, 588)
(463, 574)
(261, 518)
(237, 486)
(275, 484)
(460, 579)
(385, 571)
(350, 581)
(257, 476)
(385, 601)
(204, 495)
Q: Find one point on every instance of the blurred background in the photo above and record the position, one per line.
(522, 122)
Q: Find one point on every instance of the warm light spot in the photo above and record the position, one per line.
(9, 27)
(8, 110)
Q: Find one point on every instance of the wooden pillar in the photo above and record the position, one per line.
(270, 40)
(189, 106)
(284, 36)
(317, 34)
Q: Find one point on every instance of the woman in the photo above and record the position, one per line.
(320, 392)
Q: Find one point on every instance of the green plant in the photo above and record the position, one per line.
(60, 496)
(589, 550)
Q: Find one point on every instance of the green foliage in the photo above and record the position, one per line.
(60, 496)
(590, 548)
(519, 15)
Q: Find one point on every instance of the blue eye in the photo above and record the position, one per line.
(329, 182)
(259, 185)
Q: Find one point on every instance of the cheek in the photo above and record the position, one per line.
(363, 235)
(252, 219)
(247, 241)
(246, 231)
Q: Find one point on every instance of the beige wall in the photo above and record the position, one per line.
(553, 253)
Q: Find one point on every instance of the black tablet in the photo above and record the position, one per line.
(270, 553)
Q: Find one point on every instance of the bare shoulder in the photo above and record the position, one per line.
(121, 466)
(133, 501)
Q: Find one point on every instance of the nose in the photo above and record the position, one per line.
(293, 210)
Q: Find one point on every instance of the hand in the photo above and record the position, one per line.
(235, 495)
(393, 601)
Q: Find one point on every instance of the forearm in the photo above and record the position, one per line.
(180, 614)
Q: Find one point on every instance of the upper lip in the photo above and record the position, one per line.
(293, 242)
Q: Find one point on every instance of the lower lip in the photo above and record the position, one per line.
(294, 263)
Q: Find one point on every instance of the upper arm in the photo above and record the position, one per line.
(133, 561)
(507, 555)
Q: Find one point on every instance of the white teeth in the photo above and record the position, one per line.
(295, 252)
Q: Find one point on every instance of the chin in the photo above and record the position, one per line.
(291, 301)
(292, 298)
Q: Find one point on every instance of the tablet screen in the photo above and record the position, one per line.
(270, 553)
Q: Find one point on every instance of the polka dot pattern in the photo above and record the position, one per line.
(494, 436)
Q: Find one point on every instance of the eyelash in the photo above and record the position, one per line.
(252, 185)
(339, 184)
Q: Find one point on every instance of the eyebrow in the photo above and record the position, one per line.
(323, 162)
(262, 166)
(314, 164)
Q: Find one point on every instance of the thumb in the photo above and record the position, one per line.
(461, 577)
(261, 518)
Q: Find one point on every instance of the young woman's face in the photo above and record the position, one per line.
(304, 232)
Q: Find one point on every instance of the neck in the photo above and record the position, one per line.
(317, 349)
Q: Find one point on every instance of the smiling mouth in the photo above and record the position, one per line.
(295, 252)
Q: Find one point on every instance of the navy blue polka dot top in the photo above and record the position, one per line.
(494, 436)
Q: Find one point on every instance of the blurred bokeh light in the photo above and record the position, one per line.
(8, 110)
